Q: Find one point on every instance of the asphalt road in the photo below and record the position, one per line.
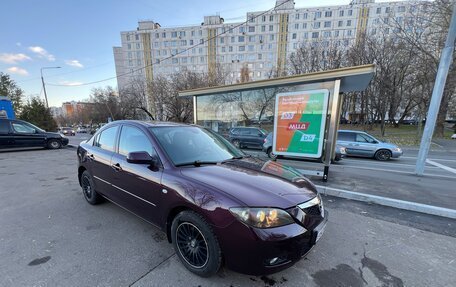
(50, 236)
(392, 179)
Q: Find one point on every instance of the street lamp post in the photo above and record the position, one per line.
(44, 86)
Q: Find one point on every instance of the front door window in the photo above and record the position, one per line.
(23, 129)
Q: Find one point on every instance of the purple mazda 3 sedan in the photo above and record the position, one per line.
(216, 204)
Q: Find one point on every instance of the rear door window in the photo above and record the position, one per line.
(107, 139)
(245, 132)
(345, 136)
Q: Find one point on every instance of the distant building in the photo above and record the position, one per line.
(56, 111)
(70, 109)
(262, 45)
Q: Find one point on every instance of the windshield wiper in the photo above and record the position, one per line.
(236, 157)
(196, 163)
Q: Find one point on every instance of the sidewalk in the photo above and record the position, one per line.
(429, 195)
(389, 184)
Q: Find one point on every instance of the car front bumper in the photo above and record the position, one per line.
(65, 141)
(251, 250)
(396, 154)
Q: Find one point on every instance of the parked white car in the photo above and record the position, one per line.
(453, 137)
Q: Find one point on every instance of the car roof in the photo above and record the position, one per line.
(352, 131)
(150, 123)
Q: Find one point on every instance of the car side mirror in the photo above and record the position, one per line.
(139, 157)
(143, 157)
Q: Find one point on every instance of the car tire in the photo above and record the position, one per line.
(237, 143)
(88, 189)
(196, 244)
(383, 155)
(271, 155)
(54, 144)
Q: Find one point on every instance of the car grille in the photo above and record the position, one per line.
(312, 210)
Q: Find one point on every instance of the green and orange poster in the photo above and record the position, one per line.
(299, 123)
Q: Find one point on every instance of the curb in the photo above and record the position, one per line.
(386, 201)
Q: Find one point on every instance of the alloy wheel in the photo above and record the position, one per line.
(192, 245)
(383, 155)
(86, 187)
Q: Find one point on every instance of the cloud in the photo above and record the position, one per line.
(70, 83)
(42, 53)
(74, 63)
(13, 58)
(19, 44)
(17, 71)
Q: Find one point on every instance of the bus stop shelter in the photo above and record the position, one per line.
(303, 111)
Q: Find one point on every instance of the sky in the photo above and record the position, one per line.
(78, 36)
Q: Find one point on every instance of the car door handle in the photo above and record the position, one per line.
(116, 167)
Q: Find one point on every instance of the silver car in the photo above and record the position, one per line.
(267, 148)
(358, 143)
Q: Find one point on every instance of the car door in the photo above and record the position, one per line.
(139, 184)
(99, 157)
(6, 136)
(259, 137)
(25, 136)
(347, 140)
(366, 145)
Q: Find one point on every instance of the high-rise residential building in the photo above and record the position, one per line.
(262, 43)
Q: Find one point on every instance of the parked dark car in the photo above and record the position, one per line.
(216, 204)
(362, 144)
(410, 122)
(17, 134)
(267, 148)
(68, 131)
(247, 137)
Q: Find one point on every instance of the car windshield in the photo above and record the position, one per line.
(35, 127)
(67, 129)
(190, 145)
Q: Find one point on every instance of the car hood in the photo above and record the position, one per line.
(388, 145)
(52, 135)
(255, 182)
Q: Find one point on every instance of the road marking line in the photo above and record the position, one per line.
(392, 171)
(447, 168)
(437, 144)
(381, 163)
(386, 201)
(434, 159)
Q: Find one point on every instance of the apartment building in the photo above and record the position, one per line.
(263, 42)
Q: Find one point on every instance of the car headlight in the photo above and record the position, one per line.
(343, 150)
(262, 217)
(397, 149)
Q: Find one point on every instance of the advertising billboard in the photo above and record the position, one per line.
(299, 123)
(6, 108)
